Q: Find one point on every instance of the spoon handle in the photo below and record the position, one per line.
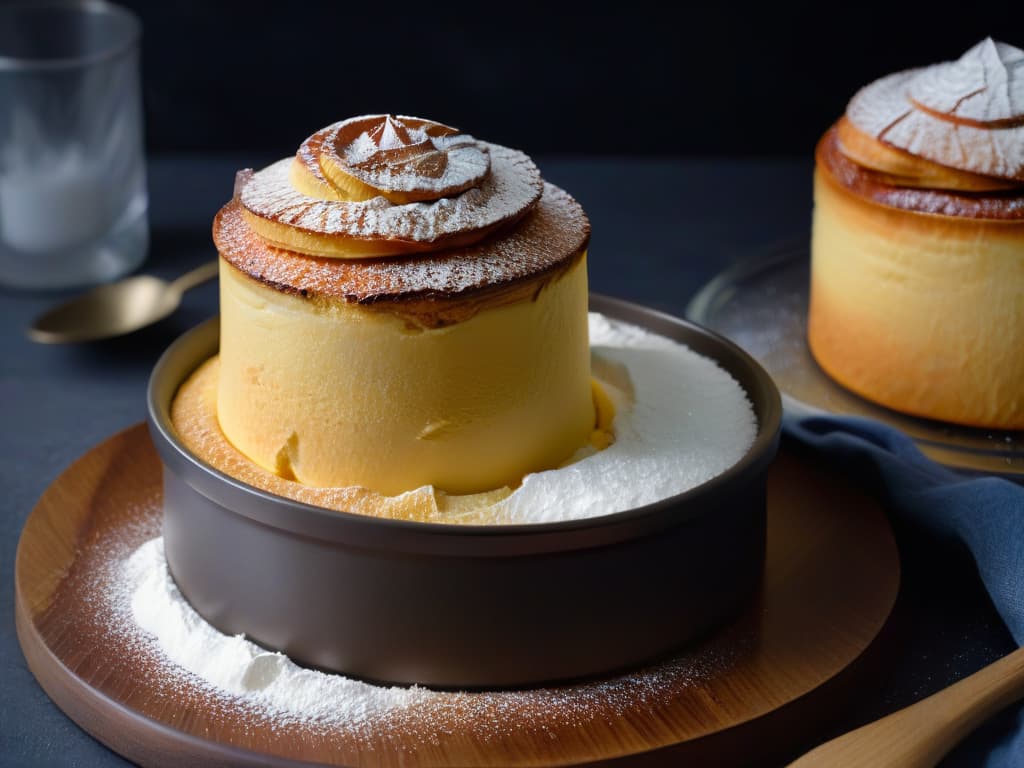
(920, 735)
(197, 276)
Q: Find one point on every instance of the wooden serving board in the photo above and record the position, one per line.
(831, 579)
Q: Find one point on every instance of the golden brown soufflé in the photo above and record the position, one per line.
(402, 306)
(917, 284)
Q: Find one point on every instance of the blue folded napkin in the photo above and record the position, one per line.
(985, 513)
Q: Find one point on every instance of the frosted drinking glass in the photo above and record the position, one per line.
(72, 170)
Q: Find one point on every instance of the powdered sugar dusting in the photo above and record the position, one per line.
(554, 231)
(512, 187)
(118, 563)
(985, 84)
(967, 114)
(457, 160)
(271, 686)
(239, 668)
(361, 149)
(680, 420)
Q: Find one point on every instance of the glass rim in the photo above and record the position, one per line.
(98, 7)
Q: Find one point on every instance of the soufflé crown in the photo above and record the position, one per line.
(402, 306)
(917, 294)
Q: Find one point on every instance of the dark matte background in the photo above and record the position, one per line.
(581, 78)
(231, 84)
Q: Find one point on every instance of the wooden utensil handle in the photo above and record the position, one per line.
(920, 735)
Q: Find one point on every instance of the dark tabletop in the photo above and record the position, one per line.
(662, 228)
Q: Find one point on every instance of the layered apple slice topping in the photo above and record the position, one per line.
(955, 126)
(383, 185)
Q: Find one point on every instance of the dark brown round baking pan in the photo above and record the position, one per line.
(466, 606)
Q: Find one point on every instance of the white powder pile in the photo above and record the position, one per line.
(238, 667)
(680, 420)
(156, 618)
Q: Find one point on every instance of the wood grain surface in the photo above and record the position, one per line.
(831, 579)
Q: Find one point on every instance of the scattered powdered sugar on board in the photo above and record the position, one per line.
(237, 666)
(276, 690)
(680, 420)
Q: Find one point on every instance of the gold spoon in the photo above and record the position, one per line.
(117, 308)
(920, 735)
